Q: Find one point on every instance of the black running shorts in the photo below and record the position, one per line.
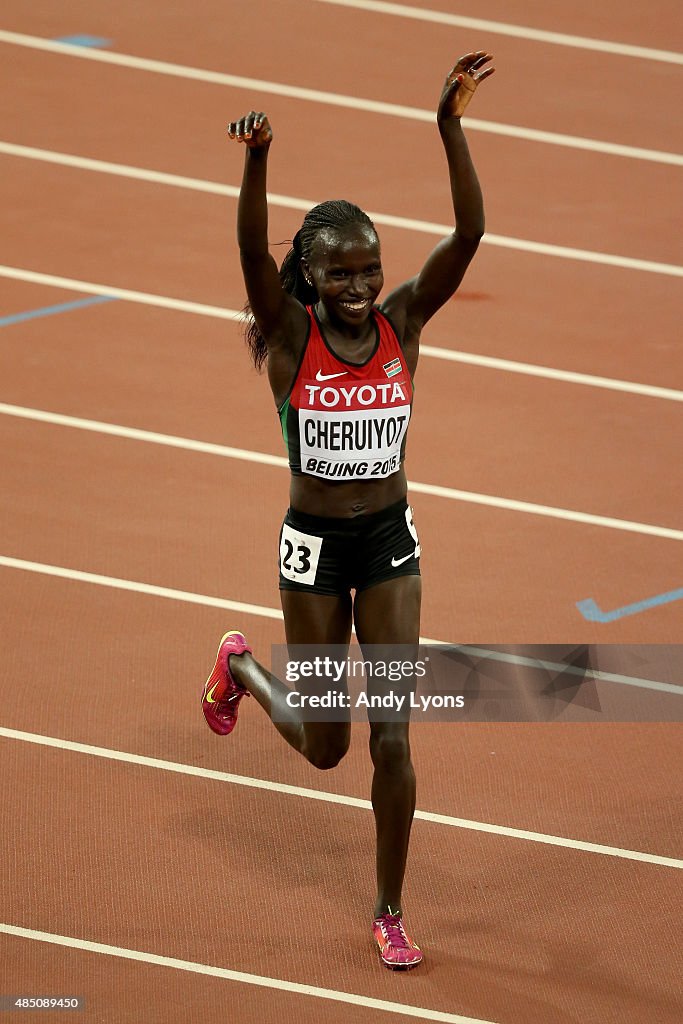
(319, 555)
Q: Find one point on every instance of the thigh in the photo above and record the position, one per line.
(389, 612)
(319, 621)
(387, 618)
(316, 618)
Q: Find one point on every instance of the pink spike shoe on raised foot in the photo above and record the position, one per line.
(396, 949)
(222, 694)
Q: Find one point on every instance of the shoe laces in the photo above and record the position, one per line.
(234, 697)
(393, 931)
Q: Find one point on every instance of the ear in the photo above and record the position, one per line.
(305, 270)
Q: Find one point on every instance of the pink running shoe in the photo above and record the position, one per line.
(222, 694)
(397, 950)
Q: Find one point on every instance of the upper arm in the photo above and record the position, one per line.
(414, 302)
(279, 316)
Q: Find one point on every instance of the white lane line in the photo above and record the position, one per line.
(502, 28)
(262, 611)
(262, 981)
(569, 515)
(83, 163)
(554, 666)
(511, 131)
(296, 203)
(144, 298)
(450, 355)
(245, 455)
(547, 373)
(335, 798)
(335, 99)
(116, 583)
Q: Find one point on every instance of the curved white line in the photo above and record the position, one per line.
(262, 981)
(502, 28)
(296, 203)
(332, 98)
(336, 798)
(262, 611)
(245, 455)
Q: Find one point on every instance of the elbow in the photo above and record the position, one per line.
(470, 237)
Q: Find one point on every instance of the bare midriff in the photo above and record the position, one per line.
(346, 500)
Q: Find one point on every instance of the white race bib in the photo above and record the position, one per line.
(299, 555)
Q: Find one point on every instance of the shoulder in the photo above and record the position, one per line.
(286, 354)
(292, 327)
(397, 308)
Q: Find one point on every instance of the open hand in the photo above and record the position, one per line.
(253, 129)
(462, 81)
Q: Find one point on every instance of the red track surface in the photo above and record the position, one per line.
(202, 869)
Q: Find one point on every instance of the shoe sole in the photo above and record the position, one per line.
(400, 967)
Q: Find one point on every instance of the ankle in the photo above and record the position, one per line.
(237, 666)
(382, 908)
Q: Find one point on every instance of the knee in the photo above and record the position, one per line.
(326, 758)
(390, 749)
(325, 751)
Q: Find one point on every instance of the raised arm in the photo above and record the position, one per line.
(276, 313)
(413, 303)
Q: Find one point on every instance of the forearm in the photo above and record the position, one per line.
(468, 204)
(252, 208)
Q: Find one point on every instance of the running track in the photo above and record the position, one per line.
(165, 875)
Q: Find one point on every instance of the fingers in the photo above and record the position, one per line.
(477, 69)
(249, 127)
(471, 64)
(461, 84)
(484, 74)
(482, 58)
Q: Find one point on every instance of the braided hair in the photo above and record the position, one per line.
(333, 214)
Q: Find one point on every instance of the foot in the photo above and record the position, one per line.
(222, 693)
(396, 949)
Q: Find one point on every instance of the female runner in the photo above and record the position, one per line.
(341, 368)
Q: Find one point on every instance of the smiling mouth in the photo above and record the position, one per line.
(359, 306)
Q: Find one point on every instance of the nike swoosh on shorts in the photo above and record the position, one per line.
(400, 561)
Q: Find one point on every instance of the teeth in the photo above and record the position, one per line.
(356, 305)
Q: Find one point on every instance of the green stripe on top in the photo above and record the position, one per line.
(283, 422)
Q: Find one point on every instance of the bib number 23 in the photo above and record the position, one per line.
(299, 555)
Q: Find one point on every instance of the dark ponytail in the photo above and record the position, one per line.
(334, 214)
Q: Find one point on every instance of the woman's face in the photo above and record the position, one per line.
(345, 267)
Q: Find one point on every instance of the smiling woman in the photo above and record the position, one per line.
(341, 371)
(336, 254)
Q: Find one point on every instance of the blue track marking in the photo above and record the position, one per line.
(64, 307)
(590, 610)
(97, 42)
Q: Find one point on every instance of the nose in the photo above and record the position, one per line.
(358, 286)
